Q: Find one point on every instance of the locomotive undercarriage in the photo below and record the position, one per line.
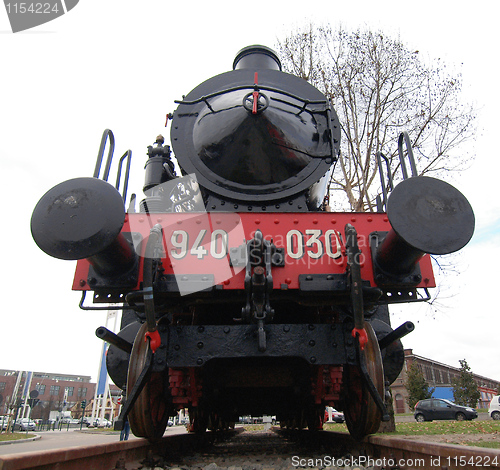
(212, 362)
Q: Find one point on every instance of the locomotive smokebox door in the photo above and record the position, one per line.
(257, 137)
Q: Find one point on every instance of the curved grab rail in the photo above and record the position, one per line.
(107, 134)
(127, 155)
(404, 137)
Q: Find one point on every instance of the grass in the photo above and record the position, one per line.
(335, 427)
(15, 436)
(458, 432)
(447, 427)
(253, 427)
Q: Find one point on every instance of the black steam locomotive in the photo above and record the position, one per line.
(242, 294)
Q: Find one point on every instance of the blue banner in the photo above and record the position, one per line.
(103, 374)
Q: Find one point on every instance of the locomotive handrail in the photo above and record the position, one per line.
(250, 87)
(108, 134)
(105, 135)
(406, 138)
(383, 184)
(128, 156)
(403, 138)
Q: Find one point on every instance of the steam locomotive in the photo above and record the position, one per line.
(242, 293)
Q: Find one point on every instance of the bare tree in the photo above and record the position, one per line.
(379, 88)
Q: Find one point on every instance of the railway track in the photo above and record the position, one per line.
(278, 450)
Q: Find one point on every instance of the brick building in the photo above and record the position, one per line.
(437, 375)
(56, 392)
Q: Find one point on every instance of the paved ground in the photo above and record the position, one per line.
(71, 438)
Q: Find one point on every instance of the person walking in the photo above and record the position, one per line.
(125, 431)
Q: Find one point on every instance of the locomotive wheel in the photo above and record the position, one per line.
(315, 419)
(214, 422)
(362, 415)
(198, 421)
(149, 415)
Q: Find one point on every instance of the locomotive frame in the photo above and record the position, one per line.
(241, 293)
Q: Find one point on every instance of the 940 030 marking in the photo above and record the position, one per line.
(312, 243)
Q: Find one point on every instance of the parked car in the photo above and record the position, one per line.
(439, 408)
(494, 409)
(4, 421)
(337, 416)
(24, 424)
(102, 423)
(70, 421)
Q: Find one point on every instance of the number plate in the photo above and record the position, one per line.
(214, 244)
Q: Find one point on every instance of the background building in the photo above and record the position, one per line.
(439, 376)
(56, 393)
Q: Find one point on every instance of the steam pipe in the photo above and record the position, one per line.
(112, 338)
(398, 333)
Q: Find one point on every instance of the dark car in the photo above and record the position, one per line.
(439, 408)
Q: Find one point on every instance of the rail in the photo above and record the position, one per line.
(396, 453)
(95, 457)
(416, 454)
(376, 451)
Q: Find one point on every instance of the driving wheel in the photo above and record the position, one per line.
(198, 420)
(149, 415)
(362, 415)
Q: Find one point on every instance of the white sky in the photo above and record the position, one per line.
(120, 64)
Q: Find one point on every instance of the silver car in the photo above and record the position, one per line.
(4, 420)
(25, 424)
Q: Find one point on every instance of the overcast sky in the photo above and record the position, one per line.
(120, 64)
